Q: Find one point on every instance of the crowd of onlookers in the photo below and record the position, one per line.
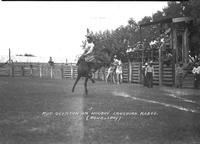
(167, 58)
(180, 74)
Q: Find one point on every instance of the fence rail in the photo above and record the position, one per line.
(132, 72)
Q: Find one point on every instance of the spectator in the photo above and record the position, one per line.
(196, 72)
(51, 61)
(168, 58)
(143, 73)
(119, 72)
(149, 72)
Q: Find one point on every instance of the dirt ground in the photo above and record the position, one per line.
(44, 111)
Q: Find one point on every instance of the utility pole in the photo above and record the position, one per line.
(9, 56)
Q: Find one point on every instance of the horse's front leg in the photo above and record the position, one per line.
(85, 85)
(77, 79)
(107, 77)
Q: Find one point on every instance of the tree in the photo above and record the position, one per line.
(159, 15)
(118, 40)
(174, 9)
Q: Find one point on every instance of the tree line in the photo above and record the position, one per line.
(118, 41)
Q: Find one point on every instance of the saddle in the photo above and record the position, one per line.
(91, 59)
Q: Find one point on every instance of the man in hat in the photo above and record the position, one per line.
(89, 47)
(115, 60)
(119, 72)
(143, 72)
(149, 73)
(196, 72)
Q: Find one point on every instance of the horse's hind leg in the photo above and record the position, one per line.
(92, 80)
(85, 85)
(77, 79)
(90, 77)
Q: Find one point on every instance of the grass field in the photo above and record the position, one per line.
(44, 111)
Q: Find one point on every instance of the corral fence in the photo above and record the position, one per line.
(132, 72)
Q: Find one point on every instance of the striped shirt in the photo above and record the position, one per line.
(149, 69)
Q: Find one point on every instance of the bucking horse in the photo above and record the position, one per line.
(85, 69)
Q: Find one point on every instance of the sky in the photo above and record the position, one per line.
(57, 29)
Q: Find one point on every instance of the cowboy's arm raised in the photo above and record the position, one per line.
(90, 48)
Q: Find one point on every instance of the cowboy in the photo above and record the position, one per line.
(119, 72)
(149, 73)
(112, 69)
(51, 62)
(89, 47)
(144, 76)
(196, 72)
(115, 60)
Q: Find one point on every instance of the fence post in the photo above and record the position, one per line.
(22, 68)
(72, 72)
(40, 71)
(130, 71)
(11, 69)
(51, 72)
(98, 74)
(31, 69)
(103, 74)
(160, 66)
(140, 73)
(62, 72)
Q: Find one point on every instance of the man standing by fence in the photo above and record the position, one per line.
(119, 72)
(149, 72)
(51, 63)
(196, 72)
(144, 75)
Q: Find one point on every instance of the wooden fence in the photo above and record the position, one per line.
(132, 72)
